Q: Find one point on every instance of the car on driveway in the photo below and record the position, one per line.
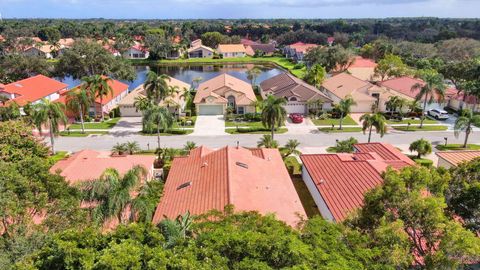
(438, 114)
(296, 118)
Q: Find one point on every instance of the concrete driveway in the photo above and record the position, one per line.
(209, 125)
(127, 125)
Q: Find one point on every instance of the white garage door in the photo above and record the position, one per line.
(129, 111)
(296, 107)
(210, 110)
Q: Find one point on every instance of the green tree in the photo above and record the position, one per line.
(252, 75)
(157, 87)
(189, 145)
(132, 147)
(78, 101)
(344, 146)
(98, 87)
(421, 146)
(290, 148)
(345, 107)
(176, 231)
(432, 85)
(212, 39)
(391, 66)
(395, 103)
(119, 149)
(465, 122)
(267, 141)
(315, 75)
(377, 121)
(160, 117)
(273, 113)
(50, 114)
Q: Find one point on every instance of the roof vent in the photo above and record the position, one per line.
(322, 181)
(341, 85)
(184, 185)
(205, 164)
(18, 85)
(243, 165)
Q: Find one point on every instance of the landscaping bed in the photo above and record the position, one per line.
(336, 130)
(422, 161)
(254, 130)
(80, 134)
(107, 124)
(447, 147)
(170, 132)
(417, 128)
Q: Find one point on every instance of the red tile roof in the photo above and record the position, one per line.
(457, 157)
(470, 99)
(361, 62)
(404, 86)
(88, 165)
(343, 179)
(117, 86)
(302, 47)
(246, 41)
(33, 89)
(251, 180)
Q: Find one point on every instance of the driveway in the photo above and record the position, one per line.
(209, 125)
(306, 127)
(127, 125)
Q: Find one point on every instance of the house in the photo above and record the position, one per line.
(32, 90)
(458, 101)
(450, 159)
(88, 165)
(298, 50)
(248, 179)
(66, 42)
(363, 68)
(338, 182)
(40, 50)
(403, 87)
(297, 92)
(231, 50)
(247, 42)
(175, 103)
(261, 49)
(200, 51)
(196, 43)
(330, 41)
(215, 95)
(137, 51)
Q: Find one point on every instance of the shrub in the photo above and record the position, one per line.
(298, 66)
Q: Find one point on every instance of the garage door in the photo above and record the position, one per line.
(210, 109)
(295, 107)
(129, 111)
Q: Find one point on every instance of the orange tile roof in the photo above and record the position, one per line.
(216, 87)
(457, 157)
(118, 87)
(344, 84)
(230, 48)
(404, 86)
(251, 180)
(88, 165)
(33, 89)
(361, 62)
(302, 47)
(343, 179)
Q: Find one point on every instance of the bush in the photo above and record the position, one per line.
(114, 113)
(177, 132)
(424, 162)
(298, 66)
(254, 117)
(251, 129)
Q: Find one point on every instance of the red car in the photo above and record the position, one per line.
(296, 118)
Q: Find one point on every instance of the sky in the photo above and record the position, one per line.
(213, 9)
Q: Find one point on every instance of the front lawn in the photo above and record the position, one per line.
(347, 120)
(255, 124)
(107, 124)
(336, 130)
(58, 156)
(411, 121)
(80, 134)
(417, 128)
(252, 130)
(443, 147)
(170, 132)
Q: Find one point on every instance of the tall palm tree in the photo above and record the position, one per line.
(273, 113)
(176, 230)
(112, 193)
(78, 102)
(290, 148)
(433, 85)
(464, 123)
(98, 87)
(252, 75)
(377, 121)
(345, 107)
(141, 103)
(395, 103)
(50, 114)
(161, 117)
(267, 141)
(157, 87)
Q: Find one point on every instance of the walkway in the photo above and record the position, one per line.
(209, 125)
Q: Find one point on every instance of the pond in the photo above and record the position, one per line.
(188, 73)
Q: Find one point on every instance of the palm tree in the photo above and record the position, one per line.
(78, 101)
(267, 141)
(112, 193)
(345, 107)
(132, 147)
(176, 230)
(141, 103)
(377, 121)
(98, 87)
(422, 147)
(316, 75)
(433, 84)
(161, 117)
(464, 123)
(157, 87)
(252, 74)
(196, 81)
(189, 145)
(258, 104)
(55, 47)
(290, 148)
(119, 149)
(50, 114)
(187, 97)
(273, 113)
(395, 103)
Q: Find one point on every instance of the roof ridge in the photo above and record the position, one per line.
(229, 192)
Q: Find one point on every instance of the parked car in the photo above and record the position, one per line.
(438, 114)
(296, 118)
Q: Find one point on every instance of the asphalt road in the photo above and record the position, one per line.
(106, 142)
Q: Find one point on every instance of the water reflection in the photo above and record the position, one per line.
(188, 73)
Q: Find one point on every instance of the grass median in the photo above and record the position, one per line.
(417, 128)
(448, 147)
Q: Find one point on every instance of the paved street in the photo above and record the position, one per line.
(106, 142)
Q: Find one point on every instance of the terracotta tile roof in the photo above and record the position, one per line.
(66, 42)
(246, 41)
(344, 84)
(139, 47)
(361, 62)
(217, 87)
(287, 85)
(404, 86)
(33, 89)
(265, 48)
(457, 157)
(343, 179)
(191, 49)
(88, 165)
(118, 88)
(208, 179)
(301, 47)
(230, 48)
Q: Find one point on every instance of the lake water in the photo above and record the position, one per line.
(187, 73)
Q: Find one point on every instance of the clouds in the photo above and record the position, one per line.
(300, 3)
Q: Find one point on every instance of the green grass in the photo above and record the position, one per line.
(417, 128)
(173, 132)
(292, 161)
(345, 129)
(347, 120)
(243, 124)
(305, 197)
(108, 124)
(234, 131)
(80, 134)
(442, 147)
(421, 161)
(58, 156)
(412, 121)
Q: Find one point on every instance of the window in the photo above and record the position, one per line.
(231, 101)
(293, 99)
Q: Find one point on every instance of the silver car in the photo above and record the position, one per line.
(438, 114)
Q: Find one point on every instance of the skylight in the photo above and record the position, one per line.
(243, 165)
(184, 185)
